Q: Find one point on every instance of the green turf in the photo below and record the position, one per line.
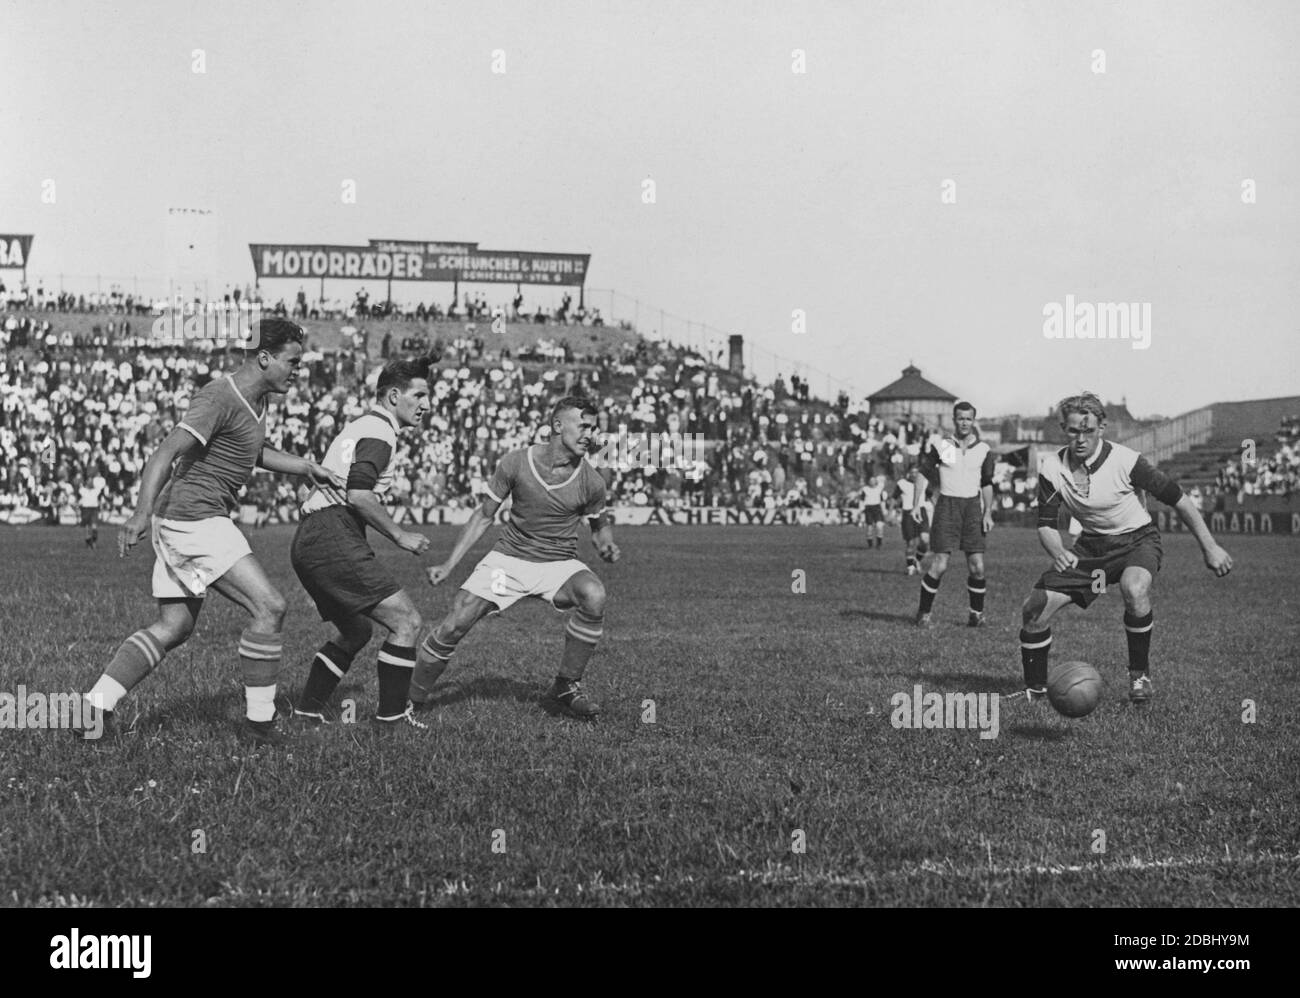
(772, 715)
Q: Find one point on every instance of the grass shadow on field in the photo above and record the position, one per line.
(894, 618)
(969, 682)
(1037, 732)
(877, 571)
(489, 688)
(218, 711)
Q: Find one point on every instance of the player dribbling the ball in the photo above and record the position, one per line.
(1097, 483)
(553, 487)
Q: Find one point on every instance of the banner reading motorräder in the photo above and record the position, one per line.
(408, 261)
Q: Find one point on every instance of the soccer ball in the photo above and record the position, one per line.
(1074, 688)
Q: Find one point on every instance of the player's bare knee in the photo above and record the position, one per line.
(172, 633)
(408, 627)
(1135, 591)
(590, 598)
(1031, 613)
(268, 616)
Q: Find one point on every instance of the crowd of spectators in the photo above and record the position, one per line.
(94, 405)
(1275, 475)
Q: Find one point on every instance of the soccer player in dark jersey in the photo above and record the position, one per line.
(916, 533)
(962, 467)
(337, 566)
(1101, 485)
(188, 491)
(553, 487)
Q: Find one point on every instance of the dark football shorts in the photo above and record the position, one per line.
(912, 529)
(336, 566)
(89, 516)
(1108, 553)
(958, 525)
(873, 514)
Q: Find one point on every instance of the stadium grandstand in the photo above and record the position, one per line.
(87, 391)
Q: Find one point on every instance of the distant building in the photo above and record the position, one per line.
(1018, 428)
(913, 396)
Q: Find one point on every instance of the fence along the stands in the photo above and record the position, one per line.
(1276, 515)
(1173, 436)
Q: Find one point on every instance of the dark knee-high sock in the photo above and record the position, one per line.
(581, 634)
(430, 663)
(976, 589)
(1138, 632)
(396, 663)
(1034, 648)
(328, 667)
(929, 590)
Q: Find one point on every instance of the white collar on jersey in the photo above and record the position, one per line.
(231, 381)
(542, 481)
(376, 410)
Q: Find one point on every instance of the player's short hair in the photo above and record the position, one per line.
(1085, 403)
(273, 335)
(961, 406)
(399, 374)
(585, 406)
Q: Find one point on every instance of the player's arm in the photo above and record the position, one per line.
(1049, 533)
(602, 535)
(474, 528)
(498, 490)
(372, 512)
(157, 470)
(287, 464)
(986, 490)
(370, 456)
(921, 481)
(1169, 492)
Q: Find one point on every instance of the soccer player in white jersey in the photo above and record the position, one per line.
(188, 490)
(1101, 484)
(873, 510)
(962, 466)
(89, 495)
(553, 487)
(339, 569)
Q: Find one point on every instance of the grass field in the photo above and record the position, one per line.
(771, 729)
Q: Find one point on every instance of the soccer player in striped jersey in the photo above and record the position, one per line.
(337, 566)
(916, 533)
(1101, 484)
(553, 487)
(188, 490)
(962, 465)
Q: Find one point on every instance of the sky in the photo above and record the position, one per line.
(915, 182)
